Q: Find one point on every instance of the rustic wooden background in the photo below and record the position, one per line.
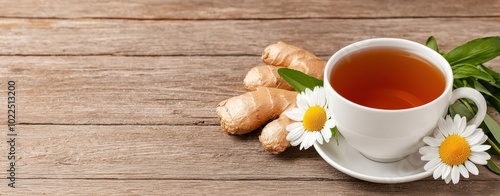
(119, 97)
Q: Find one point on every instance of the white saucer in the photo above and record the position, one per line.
(351, 162)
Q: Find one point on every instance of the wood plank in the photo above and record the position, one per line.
(122, 90)
(208, 187)
(162, 152)
(149, 152)
(125, 90)
(233, 37)
(228, 9)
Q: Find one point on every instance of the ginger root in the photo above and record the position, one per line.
(265, 76)
(247, 112)
(273, 136)
(283, 55)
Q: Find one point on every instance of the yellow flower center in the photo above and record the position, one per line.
(454, 150)
(314, 119)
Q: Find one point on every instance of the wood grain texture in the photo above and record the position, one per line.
(123, 90)
(158, 152)
(71, 159)
(119, 97)
(106, 90)
(216, 38)
(231, 9)
(253, 187)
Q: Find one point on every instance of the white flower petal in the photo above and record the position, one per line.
(437, 134)
(293, 126)
(442, 127)
(313, 94)
(310, 142)
(479, 158)
(449, 126)
(301, 102)
(330, 123)
(430, 156)
(446, 172)
(463, 171)
(295, 134)
(295, 142)
(456, 124)
(314, 137)
(431, 164)
(475, 138)
(428, 149)
(431, 141)
(313, 98)
(298, 141)
(320, 97)
(463, 124)
(327, 134)
(306, 140)
(295, 114)
(424, 150)
(319, 137)
(447, 179)
(306, 143)
(468, 131)
(309, 97)
(482, 140)
(471, 167)
(438, 171)
(455, 174)
(480, 148)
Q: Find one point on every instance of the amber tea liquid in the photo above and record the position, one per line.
(387, 78)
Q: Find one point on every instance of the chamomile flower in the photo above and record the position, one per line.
(312, 119)
(454, 149)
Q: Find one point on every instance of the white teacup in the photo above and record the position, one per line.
(389, 135)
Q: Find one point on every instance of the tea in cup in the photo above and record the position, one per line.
(387, 94)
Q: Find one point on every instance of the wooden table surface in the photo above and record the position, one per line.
(119, 97)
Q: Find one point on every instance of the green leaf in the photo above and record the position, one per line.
(460, 108)
(298, 80)
(335, 132)
(493, 167)
(458, 83)
(494, 146)
(493, 127)
(493, 74)
(494, 103)
(465, 70)
(493, 98)
(475, 52)
(432, 44)
(479, 87)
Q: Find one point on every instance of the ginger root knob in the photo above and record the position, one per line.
(265, 76)
(249, 111)
(273, 136)
(282, 55)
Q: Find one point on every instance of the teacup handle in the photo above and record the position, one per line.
(476, 97)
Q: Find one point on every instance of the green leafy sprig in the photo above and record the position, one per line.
(467, 62)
